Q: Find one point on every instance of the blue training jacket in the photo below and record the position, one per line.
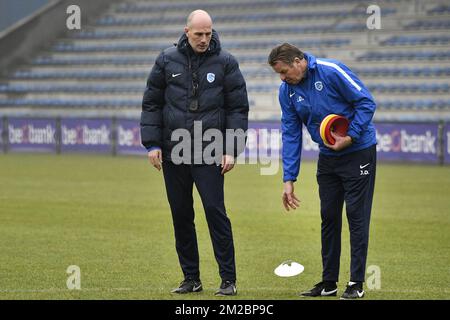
(329, 87)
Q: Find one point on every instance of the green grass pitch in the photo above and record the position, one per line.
(109, 216)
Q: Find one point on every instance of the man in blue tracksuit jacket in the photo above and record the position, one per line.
(313, 88)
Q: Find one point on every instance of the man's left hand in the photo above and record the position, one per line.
(227, 163)
(341, 142)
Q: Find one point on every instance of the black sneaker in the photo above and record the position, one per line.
(354, 291)
(227, 288)
(187, 286)
(322, 289)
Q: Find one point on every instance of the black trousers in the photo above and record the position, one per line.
(349, 178)
(179, 180)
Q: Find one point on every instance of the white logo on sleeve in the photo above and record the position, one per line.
(318, 85)
(210, 77)
(175, 75)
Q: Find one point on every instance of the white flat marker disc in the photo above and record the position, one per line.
(289, 269)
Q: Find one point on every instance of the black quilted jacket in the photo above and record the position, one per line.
(169, 101)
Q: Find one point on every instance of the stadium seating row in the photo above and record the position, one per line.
(262, 30)
(155, 7)
(105, 64)
(440, 9)
(82, 74)
(428, 24)
(413, 88)
(130, 47)
(112, 20)
(78, 103)
(416, 40)
(404, 55)
(248, 72)
(402, 71)
(420, 104)
(128, 88)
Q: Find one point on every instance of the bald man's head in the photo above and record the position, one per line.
(198, 17)
(199, 30)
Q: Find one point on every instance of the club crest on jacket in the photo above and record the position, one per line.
(210, 77)
(318, 85)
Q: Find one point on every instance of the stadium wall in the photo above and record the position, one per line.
(19, 43)
(12, 11)
(397, 142)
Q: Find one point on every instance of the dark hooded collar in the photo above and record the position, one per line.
(214, 45)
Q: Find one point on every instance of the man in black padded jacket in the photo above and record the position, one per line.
(195, 87)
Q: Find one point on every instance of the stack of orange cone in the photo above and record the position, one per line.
(333, 123)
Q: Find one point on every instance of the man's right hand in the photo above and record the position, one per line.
(155, 157)
(289, 198)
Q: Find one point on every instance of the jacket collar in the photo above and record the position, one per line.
(311, 60)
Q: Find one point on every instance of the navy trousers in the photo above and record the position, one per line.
(349, 178)
(179, 180)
